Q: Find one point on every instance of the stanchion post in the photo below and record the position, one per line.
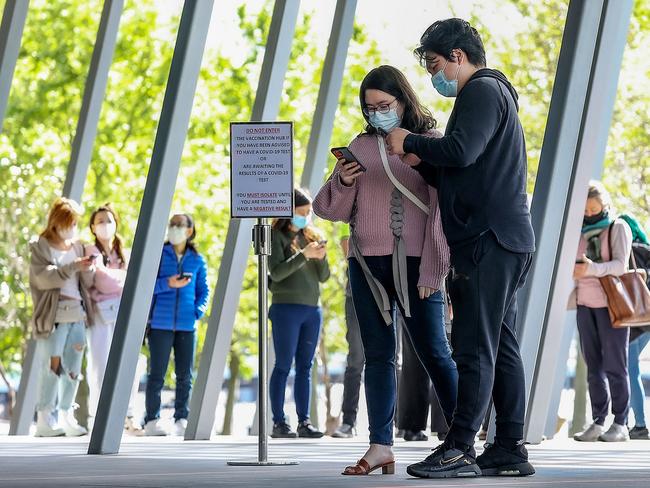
(262, 243)
(262, 246)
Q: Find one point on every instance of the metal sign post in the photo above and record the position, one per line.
(261, 157)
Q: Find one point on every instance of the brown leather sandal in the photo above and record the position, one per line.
(362, 468)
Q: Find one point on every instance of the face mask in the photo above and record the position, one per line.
(385, 122)
(594, 219)
(301, 221)
(176, 235)
(105, 231)
(68, 234)
(447, 88)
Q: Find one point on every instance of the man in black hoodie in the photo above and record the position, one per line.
(479, 169)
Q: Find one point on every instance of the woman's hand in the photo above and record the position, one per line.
(314, 250)
(581, 269)
(84, 264)
(178, 282)
(350, 171)
(425, 292)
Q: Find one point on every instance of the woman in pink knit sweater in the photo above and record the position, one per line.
(398, 256)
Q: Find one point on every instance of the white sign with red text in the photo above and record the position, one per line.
(261, 169)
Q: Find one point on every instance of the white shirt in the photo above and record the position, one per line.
(70, 289)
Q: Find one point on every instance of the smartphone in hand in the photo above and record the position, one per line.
(345, 153)
(186, 276)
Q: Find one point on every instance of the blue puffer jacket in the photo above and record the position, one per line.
(179, 308)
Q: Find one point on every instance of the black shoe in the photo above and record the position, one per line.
(345, 431)
(499, 461)
(305, 429)
(639, 433)
(415, 435)
(282, 430)
(446, 462)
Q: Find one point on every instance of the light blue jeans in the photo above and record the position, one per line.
(637, 393)
(67, 341)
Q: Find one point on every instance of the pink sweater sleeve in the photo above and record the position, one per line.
(108, 281)
(434, 265)
(334, 200)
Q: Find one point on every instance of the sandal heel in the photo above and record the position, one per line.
(388, 469)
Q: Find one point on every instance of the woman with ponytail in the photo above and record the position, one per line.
(298, 265)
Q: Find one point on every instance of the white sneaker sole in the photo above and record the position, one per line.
(54, 433)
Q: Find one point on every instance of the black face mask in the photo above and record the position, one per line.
(594, 219)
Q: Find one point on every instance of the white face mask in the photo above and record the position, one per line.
(105, 231)
(68, 234)
(176, 235)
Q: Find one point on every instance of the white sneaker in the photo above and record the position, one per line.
(590, 434)
(70, 424)
(616, 433)
(179, 427)
(152, 428)
(132, 427)
(46, 425)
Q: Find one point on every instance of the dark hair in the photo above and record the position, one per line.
(444, 36)
(301, 198)
(416, 117)
(117, 239)
(190, 224)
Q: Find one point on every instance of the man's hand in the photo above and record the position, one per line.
(395, 141)
(410, 159)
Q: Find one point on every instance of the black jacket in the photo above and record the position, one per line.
(479, 166)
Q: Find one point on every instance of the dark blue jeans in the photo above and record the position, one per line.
(426, 329)
(161, 343)
(295, 335)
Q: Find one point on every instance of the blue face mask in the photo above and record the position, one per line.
(447, 88)
(301, 221)
(385, 122)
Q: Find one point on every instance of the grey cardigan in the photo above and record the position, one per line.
(45, 282)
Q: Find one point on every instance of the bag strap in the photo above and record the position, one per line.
(609, 244)
(405, 191)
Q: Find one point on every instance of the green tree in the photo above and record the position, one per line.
(41, 120)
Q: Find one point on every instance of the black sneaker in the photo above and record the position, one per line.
(446, 462)
(282, 430)
(305, 429)
(639, 433)
(415, 435)
(499, 461)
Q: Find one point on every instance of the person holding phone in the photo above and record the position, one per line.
(479, 169)
(298, 265)
(604, 347)
(398, 255)
(111, 260)
(59, 279)
(180, 299)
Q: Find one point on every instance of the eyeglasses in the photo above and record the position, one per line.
(382, 109)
